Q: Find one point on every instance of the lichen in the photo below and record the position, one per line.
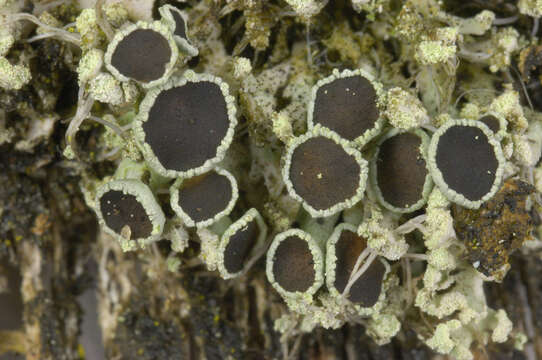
(428, 64)
(13, 77)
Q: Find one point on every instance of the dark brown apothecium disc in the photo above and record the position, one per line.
(347, 106)
(293, 265)
(492, 123)
(142, 55)
(202, 197)
(186, 124)
(366, 290)
(119, 209)
(180, 25)
(323, 173)
(401, 170)
(240, 246)
(467, 161)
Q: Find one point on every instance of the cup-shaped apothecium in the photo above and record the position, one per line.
(466, 162)
(144, 52)
(295, 264)
(399, 174)
(128, 209)
(240, 243)
(186, 125)
(178, 22)
(348, 103)
(343, 249)
(495, 122)
(324, 172)
(204, 199)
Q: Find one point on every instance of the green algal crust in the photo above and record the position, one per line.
(130, 169)
(450, 337)
(528, 146)
(6, 42)
(507, 42)
(148, 102)
(430, 51)
(144, 196)
(116, 13)
(307, 8)
(257, 97)
(438, 224)
(282, 126)
(252, 215)
(477, 25)
(459, 301)
(209, 248)
(281, 213)
(241, 67)
(508, 106)
(383, 327)
(371, 6)
(156, 26)
(438, 178)
(13, 77)
(131, 92)
(184, 44)
(470, 111)
(105, 88)
(317, 255)
(87, 26)
(187, 220)
(379, 230)
(177, 235)
(346, 43)
(89, 66)
(427, 186)
(380, 102)
(441, 340)
(404, 110)
(363, 165)
(173, 264)
(530, 7)
(442, 258)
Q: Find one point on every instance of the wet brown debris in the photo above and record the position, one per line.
(498, 228)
